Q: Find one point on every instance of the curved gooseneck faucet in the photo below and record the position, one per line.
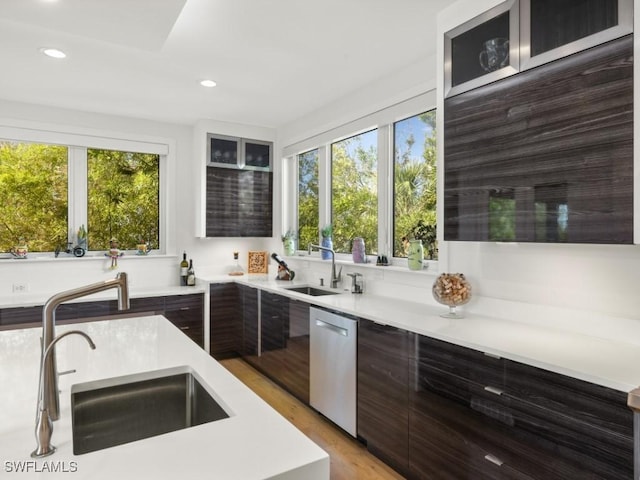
(48, 364)
(335, 278)
(44, 425)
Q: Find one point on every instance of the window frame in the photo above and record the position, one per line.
(383, 120)
(78, 141)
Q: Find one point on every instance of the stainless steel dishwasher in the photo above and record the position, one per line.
(333, 367)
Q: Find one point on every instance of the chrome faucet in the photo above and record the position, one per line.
(335, 278)
(48, 364)
(44, 425)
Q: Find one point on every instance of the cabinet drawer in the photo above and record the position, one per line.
(184, 302)
(465, 364)
(449, 441)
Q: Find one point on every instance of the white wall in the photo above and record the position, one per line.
(210, 256)
(581, 287)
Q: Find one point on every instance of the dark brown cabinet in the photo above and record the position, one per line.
(187, 313)
(239, 203)
(474, 416)
(225, 321)
(383, 391)
(284, 343)
(184, 311)
(249, 315)
(545, 155)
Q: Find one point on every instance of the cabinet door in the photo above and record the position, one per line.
(272, 333)
(482, 50)
(257, 154)
(225, 321)
(239, 203)
(20, 317)
(250, 323)
(222, 150)
(383, 391)
(551, 29)
(545, 155)
(187, 313)
(295, 371)
(150, 305)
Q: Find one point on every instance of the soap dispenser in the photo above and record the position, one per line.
(357, 282)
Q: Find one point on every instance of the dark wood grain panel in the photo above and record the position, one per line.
(20, 316)
(589, 423)
(225, 320)
(250, 322)
(187, 313)
(239, 203)
(295, 372)
(553, 136)
(541, 424)
(383, 392)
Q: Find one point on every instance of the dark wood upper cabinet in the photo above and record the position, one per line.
(239, 203)
(517, 35)
(545, 155)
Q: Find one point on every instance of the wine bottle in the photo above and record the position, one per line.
(191, 274)
(184, 267)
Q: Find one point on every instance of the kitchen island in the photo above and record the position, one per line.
(255, 442)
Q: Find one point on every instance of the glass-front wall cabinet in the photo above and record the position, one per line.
(235, 152)
(482, 50)
(552, 29)
(521, 34)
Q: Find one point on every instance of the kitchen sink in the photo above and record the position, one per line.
(119, 410)
(313, 291)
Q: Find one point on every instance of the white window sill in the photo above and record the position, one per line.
(398, 265)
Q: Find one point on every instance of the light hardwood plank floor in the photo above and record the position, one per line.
(350, 460)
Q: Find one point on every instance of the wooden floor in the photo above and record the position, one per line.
(349, 458)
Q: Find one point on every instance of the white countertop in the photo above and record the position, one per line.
(613, 364)
(254, 443)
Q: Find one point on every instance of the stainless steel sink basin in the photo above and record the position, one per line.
(313, 291)
(114, 411)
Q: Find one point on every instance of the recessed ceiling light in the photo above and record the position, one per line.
(53, 52)
(208, 83)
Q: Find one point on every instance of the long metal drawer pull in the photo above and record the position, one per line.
(493, 459)
(339, 330)
(185, 328)
(494, 390)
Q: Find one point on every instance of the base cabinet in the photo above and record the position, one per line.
(187, 312)
(184, 311)
(474, 416)
(383, 392)
(225, 333)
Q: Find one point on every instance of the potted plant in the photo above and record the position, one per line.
(289, 242)
(327, 242)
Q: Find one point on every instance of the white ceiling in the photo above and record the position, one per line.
(274, 60)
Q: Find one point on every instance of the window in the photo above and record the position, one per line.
(33, 189)
(50, 192)
(123, 199)
(308, 198)
(374, 177)
(354, 191)
(414, 183)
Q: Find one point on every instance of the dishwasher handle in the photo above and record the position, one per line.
(333, 328)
